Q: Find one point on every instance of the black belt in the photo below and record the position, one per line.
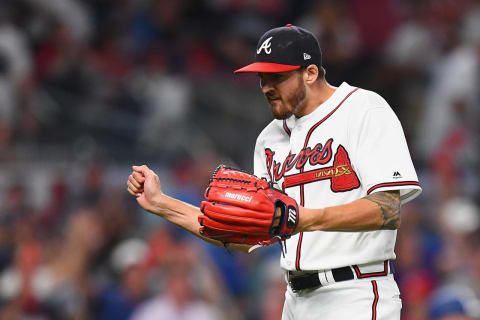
(311, 280)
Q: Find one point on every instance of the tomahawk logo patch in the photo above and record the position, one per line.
(341, 175)
(265, 46)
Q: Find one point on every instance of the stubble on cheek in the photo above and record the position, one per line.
(279, 110)
(284, 106)
(297, 99)
(294, 103)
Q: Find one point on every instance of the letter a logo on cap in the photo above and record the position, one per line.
(265, 46)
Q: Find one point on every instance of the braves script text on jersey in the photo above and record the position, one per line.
(350, 146)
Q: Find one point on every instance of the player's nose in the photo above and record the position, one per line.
(267, 87)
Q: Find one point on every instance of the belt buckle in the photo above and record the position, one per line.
(305, 275)
(289, 274)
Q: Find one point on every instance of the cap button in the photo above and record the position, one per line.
(288, 25)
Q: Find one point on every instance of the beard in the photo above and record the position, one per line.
(283, 108)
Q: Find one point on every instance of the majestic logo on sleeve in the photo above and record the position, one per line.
(265, 46)
(341, 174)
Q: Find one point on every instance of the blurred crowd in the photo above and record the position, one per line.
(90, 87)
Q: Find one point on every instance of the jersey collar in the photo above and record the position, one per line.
(325, 108)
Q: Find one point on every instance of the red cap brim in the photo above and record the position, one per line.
(267, 67)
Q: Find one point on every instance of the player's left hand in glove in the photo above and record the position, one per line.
(242, 208)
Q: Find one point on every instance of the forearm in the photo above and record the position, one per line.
(186, 216)
(374, 212)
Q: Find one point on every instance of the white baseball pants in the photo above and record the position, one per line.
(375, 298)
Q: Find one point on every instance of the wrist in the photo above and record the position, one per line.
(160, 203)
(302, 220)
(310, 219)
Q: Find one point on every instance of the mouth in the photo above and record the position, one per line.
(273, 99)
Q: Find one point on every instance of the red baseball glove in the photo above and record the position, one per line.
(242, 208)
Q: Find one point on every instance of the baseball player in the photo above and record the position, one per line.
(341, 154)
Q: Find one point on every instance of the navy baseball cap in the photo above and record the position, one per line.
(285, 49)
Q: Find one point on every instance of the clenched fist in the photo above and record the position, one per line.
(145, 185)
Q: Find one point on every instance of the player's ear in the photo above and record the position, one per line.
(310, 74)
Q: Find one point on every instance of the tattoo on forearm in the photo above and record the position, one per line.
(389, 203)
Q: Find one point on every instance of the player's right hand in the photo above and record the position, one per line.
(145, 185)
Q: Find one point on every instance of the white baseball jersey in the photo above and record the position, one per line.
(350, 146)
